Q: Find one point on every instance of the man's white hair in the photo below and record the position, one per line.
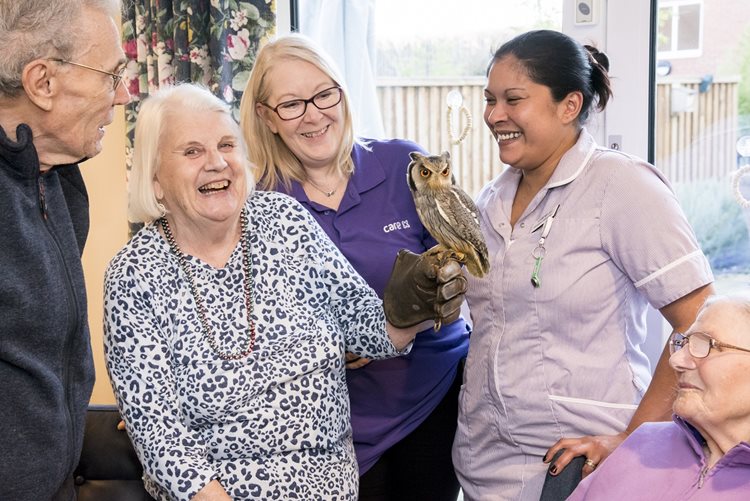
(35, 29)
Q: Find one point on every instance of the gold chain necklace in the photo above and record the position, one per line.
(208, 334)
(327, 193)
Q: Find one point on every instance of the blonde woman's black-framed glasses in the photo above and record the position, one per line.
(295, 108)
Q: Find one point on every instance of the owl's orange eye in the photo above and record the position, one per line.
(424, 172)
(446, 172)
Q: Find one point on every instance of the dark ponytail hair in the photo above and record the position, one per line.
(559, 62)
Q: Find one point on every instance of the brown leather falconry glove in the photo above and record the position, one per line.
(422, 287)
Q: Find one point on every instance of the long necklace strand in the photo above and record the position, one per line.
(200, 307)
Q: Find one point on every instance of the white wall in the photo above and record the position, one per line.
(283, 17)
(622, 32)
(592, 34)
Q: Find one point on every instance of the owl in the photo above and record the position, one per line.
(448, 213)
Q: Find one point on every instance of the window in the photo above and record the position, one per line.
(680, 28)
(417, 53)
(452, 41)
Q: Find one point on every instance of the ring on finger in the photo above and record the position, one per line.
(590, 464)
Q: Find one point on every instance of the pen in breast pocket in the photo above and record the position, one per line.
(548, 225)
(540, 250)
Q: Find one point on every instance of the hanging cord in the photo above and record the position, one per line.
(455, 100)
(736, 177)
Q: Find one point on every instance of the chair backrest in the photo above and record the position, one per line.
(109, 468)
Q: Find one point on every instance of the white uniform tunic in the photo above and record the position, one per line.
(564, 359)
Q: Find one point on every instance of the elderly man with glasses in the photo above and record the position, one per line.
(61, 67)
(705, 453)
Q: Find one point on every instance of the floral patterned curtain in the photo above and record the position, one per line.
(212, 42)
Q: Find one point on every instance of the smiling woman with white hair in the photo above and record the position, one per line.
(705, 452)
(227, 318)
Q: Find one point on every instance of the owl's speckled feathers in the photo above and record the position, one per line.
(448, 213)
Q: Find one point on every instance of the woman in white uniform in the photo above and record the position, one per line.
(582, 239)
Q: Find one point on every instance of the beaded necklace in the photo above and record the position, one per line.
(248, 287)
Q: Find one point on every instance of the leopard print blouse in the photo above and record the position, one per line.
(273, 425)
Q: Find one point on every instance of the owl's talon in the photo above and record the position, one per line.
(437, 250)
(443, 253)
(438, 324)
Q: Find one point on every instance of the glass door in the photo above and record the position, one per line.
(702, 124)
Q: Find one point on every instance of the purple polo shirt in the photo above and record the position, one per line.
(377, 218)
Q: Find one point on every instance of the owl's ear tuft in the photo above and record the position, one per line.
(446, 155)
(415, 155)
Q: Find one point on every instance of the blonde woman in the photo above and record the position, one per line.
(296, 116)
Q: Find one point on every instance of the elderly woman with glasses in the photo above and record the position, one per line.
(705, 452)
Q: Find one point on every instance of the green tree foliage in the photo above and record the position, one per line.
(719, 223)
(439, 56)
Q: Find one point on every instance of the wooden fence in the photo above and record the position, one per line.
(417, 110)
(696, 143)
(696, 132)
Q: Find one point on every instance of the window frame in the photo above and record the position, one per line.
(675, 53)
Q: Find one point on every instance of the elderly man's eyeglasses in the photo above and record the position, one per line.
(699, 344)
(116, 77)
(289, 110)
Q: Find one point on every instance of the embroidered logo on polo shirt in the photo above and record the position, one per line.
(398, 225)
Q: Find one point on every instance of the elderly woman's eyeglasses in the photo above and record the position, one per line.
(699, 344)
(116, 77)
(289, 110)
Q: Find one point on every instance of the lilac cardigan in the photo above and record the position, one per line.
(664, 462)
